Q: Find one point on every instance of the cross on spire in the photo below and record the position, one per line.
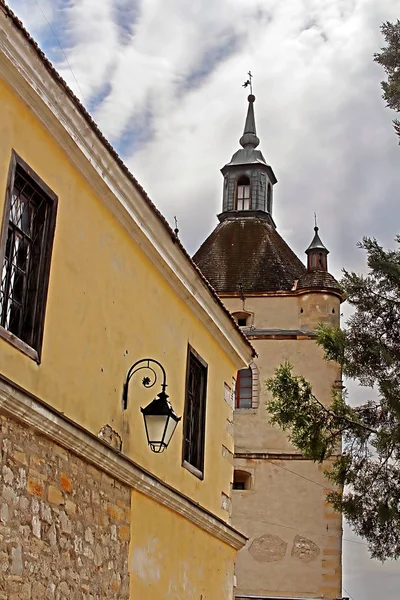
(249, 82)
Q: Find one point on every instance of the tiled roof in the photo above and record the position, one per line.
(55, 75)
(320, 280)
(248, 254)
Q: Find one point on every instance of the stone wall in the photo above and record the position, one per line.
(64, 525)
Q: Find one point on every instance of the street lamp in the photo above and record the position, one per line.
(160, 419)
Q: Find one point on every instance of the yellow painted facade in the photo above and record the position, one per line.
(160, 572)
(109, 305)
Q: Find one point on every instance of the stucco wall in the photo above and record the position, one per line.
(304, 311)
(108, 306)
(295, 537)
(174, 560)
(294, 546)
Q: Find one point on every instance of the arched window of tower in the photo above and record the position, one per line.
(244, 388)
(269, 198)
(243, 193)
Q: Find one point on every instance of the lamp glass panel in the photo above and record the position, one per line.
(171, 426)
(155, 426)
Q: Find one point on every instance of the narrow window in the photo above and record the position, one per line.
(195, 414)
(241, 480)
(25, 254)
(269, 198)
(244, 388)
(243, 194)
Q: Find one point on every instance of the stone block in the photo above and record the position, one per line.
(115, 512)
(55, 496)
(35, 487)
(65, 482)
(124, 533)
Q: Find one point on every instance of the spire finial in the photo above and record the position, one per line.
(315, 222)
(249, 137)
(249, 83)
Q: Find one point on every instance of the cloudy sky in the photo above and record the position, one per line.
(163, 80)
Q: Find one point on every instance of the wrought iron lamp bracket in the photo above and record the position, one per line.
(147, 382)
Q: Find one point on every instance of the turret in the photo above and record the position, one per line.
(248, 180)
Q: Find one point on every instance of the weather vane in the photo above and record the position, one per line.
(249, 82)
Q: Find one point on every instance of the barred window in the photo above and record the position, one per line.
(244, 388)
(25, 253)
(195, 413)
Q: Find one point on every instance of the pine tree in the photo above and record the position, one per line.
(389, 59)
(367, 474)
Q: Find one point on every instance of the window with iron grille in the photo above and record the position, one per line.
(25, 252)
(195, 413)
(244, 388)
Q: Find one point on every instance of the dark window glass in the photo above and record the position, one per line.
(242, 322)
(241, 480)
(195, 411)
(28, 231)
(244, 388)
(238, 485)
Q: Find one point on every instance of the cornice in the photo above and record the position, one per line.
(32, 412)
(278, 334)
(29, 78)
(284, 293)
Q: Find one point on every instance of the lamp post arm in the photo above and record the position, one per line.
(147, 382)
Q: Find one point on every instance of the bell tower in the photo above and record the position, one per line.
(248, 179)
(278, 495)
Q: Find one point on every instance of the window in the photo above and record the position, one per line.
(241, 480)
(195, 414)
(243, 194)
(269, 198)
(25, 253)
(244, 388)
(242, 318)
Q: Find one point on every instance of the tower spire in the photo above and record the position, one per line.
(249, 138)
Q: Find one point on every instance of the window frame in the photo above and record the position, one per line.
(238, 387)
(244, 198)
(34, 351)
(198, 469)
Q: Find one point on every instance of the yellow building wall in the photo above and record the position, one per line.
(174, 560)
(107, 307)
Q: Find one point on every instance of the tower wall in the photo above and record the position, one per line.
(294, 546)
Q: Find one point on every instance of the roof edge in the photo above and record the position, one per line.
(92, 145)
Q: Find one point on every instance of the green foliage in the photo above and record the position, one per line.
(368, 350)
(389, 59)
